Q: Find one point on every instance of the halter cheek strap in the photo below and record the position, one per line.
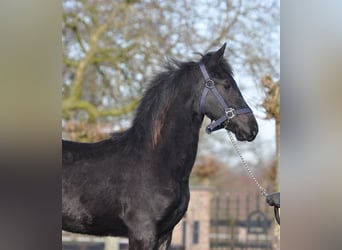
(229, 112)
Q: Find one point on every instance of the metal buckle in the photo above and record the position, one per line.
(210, 84)
(230, 113)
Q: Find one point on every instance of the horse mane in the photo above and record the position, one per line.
(159, 95)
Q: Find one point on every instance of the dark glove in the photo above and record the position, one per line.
(274, 200)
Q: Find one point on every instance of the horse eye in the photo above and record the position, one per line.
(226, 84)
(215, 75)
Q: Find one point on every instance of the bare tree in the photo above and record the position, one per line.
(111, 48)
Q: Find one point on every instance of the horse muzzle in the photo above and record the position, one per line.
(243, 132)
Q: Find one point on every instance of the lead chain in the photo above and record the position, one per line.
(244, 163)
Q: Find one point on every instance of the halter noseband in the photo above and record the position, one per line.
(229, 112)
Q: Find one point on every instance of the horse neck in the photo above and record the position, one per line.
(174, 133)
(176, 147)
(180, 125)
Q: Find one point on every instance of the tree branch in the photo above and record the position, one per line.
(93, 112)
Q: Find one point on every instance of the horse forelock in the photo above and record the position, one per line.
(223, 64)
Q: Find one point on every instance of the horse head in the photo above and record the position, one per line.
(221, 99)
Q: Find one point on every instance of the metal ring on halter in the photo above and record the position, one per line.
(210, 84)
(230, 113)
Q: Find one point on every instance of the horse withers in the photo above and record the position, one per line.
(136, 183)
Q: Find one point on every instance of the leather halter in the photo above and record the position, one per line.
(229, 112)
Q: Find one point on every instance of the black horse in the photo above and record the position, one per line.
(136, 183)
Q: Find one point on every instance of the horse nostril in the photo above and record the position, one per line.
(253, 134)
(255, 131)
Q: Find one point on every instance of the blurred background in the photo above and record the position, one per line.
(111, 49)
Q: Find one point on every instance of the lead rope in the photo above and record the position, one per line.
(244, 163)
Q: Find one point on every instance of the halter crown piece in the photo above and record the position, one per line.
(229, 112)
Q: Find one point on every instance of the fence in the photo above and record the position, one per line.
(240, 222)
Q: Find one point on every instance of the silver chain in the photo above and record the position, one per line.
(244, 163)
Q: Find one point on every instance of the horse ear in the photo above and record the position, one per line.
(218, 55)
